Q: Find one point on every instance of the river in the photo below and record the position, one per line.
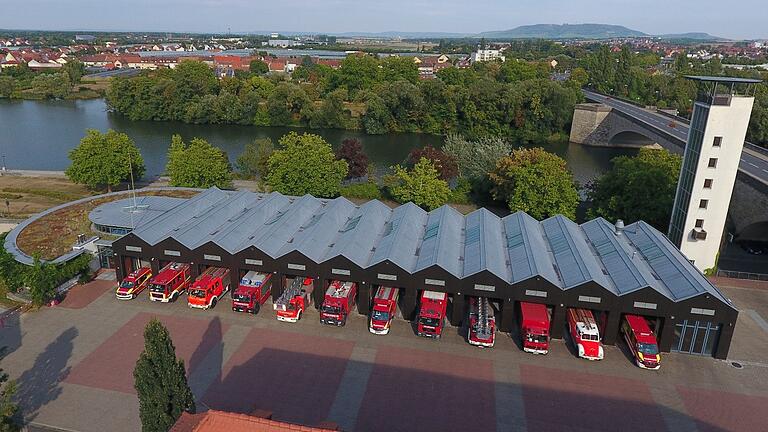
(37, 135)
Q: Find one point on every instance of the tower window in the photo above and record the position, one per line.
(717, 142)
(703, 204)
(699, 223)
(707, 183)
(712, 163)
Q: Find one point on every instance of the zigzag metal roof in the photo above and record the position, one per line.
(514, 248)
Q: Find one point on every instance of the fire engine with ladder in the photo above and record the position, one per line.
(482, 323)
(294, 300)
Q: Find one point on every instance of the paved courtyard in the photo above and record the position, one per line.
(74, 367)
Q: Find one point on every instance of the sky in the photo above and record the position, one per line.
(737, 19)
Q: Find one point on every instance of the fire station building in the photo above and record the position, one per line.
(609, 269)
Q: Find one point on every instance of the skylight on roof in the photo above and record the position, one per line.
(351, 224)
(431, 231)
(473, 235)
(276, 218)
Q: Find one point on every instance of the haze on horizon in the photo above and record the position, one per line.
(738, 19)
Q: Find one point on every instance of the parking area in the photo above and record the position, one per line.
(309, 373)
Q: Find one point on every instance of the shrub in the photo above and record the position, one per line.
(368, 190)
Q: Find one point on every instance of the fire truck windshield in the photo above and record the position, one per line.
(241, 297)
(380, 316)
(197, 293)
(331, 309)
(433, 322)
(157, 288)
(126, 284)
(648, 349)
(537, 338)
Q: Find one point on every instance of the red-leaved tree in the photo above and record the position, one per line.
(445, 163)
(351, 150)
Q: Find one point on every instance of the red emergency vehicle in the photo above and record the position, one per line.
(534, 327)
(134, 284)
(338, 302)
(432, 314)
(641, 341)
(585, 334)
(482, 323)
(294, 300)
(254, 289)
(170, 283)
(208, 288)
(384, 308)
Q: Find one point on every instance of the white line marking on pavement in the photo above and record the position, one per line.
(757, 319)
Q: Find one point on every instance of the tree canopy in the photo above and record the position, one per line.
(160, 380)
(197, 164)
(305, 164)
(258, 67)
(475, 159)
(536, 182)
(444, 163)
(421, 185)
(104, 160)
(254, 160)
(351, 150)
(637, 188)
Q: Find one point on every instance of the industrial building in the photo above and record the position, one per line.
(609, 269)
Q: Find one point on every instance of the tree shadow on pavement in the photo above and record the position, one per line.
(10, 331)
(40, 384)
(205, 364)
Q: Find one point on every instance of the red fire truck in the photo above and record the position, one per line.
(534, 327)
(254, 289)
(170, 283)
(585, 334)
(432, 314)
(134, 284)
(338, 302)
(641, 341)
(384, 309)
(294, 300)
(208, 288)
(482, 323)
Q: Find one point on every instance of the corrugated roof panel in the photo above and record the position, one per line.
(401, 236)
(574, 259)
(203, 227)
(681, 278)
(275, 232)
(233, 236)
(486, 249)
(617, 262)
(163, 226)
(441, 241)
(120, 214)
(314, 237)
(357, 237)
(527, 249)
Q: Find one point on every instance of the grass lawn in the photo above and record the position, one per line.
(54, 234)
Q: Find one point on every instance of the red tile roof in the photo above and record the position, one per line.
(216, 421)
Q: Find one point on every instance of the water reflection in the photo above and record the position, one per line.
(38, 136)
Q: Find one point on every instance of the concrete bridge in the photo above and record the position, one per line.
(610, 122)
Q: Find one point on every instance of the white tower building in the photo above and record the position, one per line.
(715, 139)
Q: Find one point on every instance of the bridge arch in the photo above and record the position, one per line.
(631, 139)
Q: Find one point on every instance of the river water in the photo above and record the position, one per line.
(37, 135)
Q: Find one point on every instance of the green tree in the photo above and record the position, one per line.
(637, 188)
(8, 407)
(197, 164)
(104, 160)
(75, 69)
(254, 161)
(536, 182)
(358, 72)
(305, 164)
(41, 280)
(421, 185)
(475, 159)
(398, 68)
(258, 67)
(7, 86)
(160, 380)
(52, 85)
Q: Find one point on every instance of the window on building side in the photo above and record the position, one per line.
(699, 223)
(718, 141)
(703, 204)
(712, 162)
(707, 183)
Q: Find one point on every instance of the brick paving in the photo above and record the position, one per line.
(74, 367)
(81, 296)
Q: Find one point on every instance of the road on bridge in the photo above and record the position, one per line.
(754, 160)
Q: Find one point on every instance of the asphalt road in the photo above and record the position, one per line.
(753, 163)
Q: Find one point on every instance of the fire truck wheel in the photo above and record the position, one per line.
(213, 302)
(298, 316)
(256, 308)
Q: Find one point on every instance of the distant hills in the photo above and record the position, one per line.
(583, 31)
